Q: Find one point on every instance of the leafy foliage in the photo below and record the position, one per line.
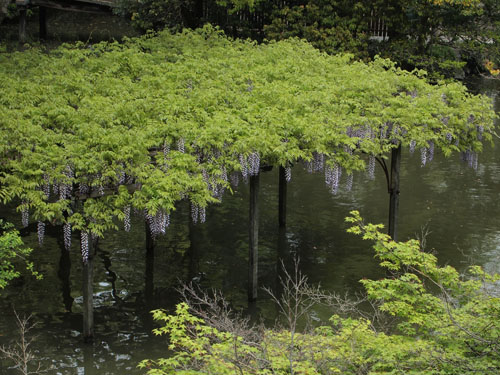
(88, 131)
(331, 26)
(447, 323)
(154, 14)
(12, 251)
(444, 37)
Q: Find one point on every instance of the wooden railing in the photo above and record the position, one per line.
(378, 28)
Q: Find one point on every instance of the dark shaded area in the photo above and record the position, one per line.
(66, 26)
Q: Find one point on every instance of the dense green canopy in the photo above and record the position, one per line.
(169, 117)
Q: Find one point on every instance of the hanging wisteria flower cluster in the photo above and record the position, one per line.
(288, 173)
(25, 216)
(427, 154)
(198, 213)
(84, 246)
(471, 158)
(349, 181)
(65, 190)
(250, 166)
(180, 145)
(165, 149)
(126, 219)
(83, 188)
(371, 167)
(316, 164)
(122, 178)
(244, 166)
(318, 161)
(41, 232)
(365, 132)
(423, 156)
(216, 189)
(158, 223)
(430, 151)
(413, 144)
(67, 235)
(332, 177)
(253, 164)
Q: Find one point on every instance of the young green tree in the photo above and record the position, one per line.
(445, 323)
(12, 253)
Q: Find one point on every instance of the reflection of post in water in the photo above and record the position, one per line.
(282, 259)
(88, 359)
(64, 273)
(150, 265)
(112, 277)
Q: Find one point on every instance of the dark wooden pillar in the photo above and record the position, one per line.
(42, 21)
(253, 240)
(282, 197)
(198, 12)
(88, 293)
(150, 241)
(22, 24)
(394, 191)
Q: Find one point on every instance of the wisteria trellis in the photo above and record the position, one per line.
(184, 117)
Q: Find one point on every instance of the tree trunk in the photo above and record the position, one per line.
(394, 191)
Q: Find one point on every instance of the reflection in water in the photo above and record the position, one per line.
(112, 277)
(460, 207)
(64, 273)
(149, 276)
(88, 360)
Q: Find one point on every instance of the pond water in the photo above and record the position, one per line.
(457, 206)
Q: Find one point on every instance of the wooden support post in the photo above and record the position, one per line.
(150, 241)
(253, 240)
(22, 24)
(282, 197)
(42, 21)
(198, 13)
(88, 293)
(394, 191)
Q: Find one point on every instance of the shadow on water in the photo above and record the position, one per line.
(459, 205)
